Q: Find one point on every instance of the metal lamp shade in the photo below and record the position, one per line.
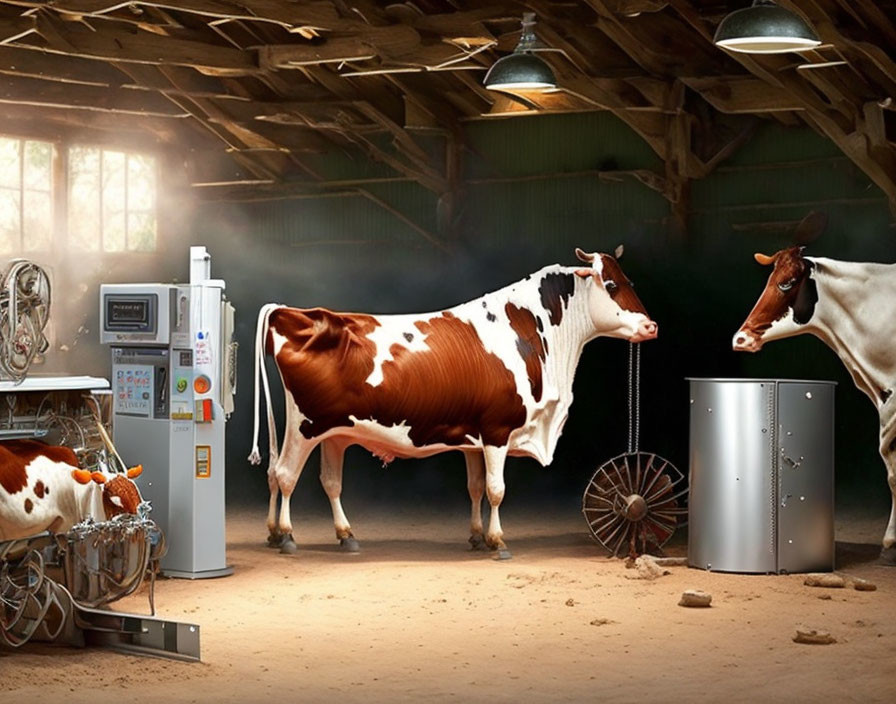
(520, 71)
(765, 28)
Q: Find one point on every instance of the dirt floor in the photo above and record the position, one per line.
(417, 616)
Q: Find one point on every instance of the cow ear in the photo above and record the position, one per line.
(618, 252)
(134, 472)
(82, 476)
(98, 477)
(763, 259)
(810, 228)
(584, 256)
(584, 273)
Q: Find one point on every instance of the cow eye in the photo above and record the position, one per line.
(611, 286)
(786, 285)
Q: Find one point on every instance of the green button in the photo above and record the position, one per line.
(181, 385)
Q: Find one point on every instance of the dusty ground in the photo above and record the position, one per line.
(418, 617)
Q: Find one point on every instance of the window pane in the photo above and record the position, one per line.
(9, 221)
(10, 154)
(38, 231)
(141, 182)
(84, 198)
(141, 232)
(114, 202)
(38, 165)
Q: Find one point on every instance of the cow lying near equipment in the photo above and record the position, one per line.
(490, 377)
(43, 489)
(851, 307)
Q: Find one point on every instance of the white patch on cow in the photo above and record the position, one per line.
(390, 441)
(278, 341)
(117, 501)
(394, 330)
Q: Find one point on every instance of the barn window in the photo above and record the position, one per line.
(111, 200)
(26, 195)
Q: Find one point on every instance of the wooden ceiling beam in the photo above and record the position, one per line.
(71, 39)
(294, 16)
(33, 91)
(13, 28)
(743, 94)
(61, 124)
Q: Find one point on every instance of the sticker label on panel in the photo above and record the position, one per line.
(203, 461)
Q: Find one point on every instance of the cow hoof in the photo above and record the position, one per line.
(477, 542)
(288, 546)
(349, 544)
(503, 554)
(275, 540)
(888, 557)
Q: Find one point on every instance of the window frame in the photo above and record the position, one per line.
(60, 197)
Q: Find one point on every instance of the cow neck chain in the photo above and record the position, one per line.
(634, 396)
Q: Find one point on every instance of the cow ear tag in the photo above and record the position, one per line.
(134, 472)
(98, 477)
(82, 476)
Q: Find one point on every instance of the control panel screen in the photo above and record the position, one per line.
(131, 312)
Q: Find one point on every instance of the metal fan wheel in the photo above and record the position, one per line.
(634, 502)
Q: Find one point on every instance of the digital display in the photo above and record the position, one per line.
(131, 312)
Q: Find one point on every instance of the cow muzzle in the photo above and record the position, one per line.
(745, 342)
(647, 330)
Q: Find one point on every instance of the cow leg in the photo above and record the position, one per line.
(888, 452)
(332, 455)
(494, 489)
(275, 539)
(286, 473)
(476, 488)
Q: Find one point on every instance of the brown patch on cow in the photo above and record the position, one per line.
(528, 344)
(39, 489)
(790, 271)
(124, 489)
(621, 290)
(29, 506)
(556, 290)
(452, 390)
(16, 455)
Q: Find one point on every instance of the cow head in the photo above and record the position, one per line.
(616, 310)
(120, 493)
(785, 306)
(788, 301)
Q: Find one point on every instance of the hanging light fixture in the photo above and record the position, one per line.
(765, 28)
(522, 70)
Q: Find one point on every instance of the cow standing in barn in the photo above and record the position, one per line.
(851, 307)
(42, 488)
(490, 377)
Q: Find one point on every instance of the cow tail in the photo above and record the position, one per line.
(261, 330)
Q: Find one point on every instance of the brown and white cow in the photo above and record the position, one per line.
(42, 488)
(490, 377)
(851, 307)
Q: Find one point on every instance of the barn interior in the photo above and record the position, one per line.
(347, 154)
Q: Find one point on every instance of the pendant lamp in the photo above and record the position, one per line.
(522, 70)
(765, 28)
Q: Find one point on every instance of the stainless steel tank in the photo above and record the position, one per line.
(761, 475)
